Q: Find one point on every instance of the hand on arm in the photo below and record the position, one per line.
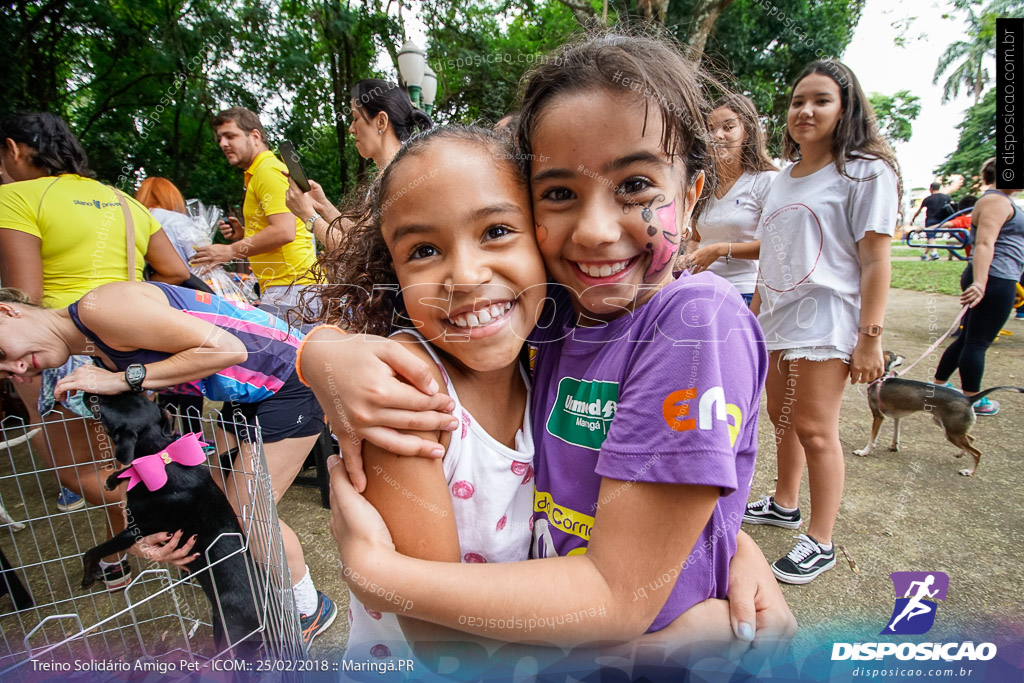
(866, 363)
(357, 379)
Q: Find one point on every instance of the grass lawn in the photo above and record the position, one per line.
(942, 276)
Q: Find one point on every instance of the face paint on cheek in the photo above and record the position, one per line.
(664, 242)
(542, 233)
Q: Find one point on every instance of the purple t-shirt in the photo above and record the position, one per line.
(669, 394)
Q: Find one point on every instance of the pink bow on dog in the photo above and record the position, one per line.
(151, 470)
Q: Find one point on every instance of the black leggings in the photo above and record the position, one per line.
(981, 326)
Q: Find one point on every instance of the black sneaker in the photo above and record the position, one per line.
(765, 511)
(314, 624)
(804, 562)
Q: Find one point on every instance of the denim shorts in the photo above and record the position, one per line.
(814, 353)
(75, 401)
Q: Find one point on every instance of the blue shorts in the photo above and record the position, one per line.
(291, 413)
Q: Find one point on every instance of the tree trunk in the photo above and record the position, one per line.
(703, 19)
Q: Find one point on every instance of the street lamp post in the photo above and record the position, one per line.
(412, 65)
(429, 89)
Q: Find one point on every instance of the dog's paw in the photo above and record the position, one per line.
(89, 578)
(894, 448)
(958, 454)
(967, 473)
(862, 451)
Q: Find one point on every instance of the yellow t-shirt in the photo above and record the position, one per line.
(265, 185)
(82, 231)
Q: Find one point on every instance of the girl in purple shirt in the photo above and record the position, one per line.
(640, 430)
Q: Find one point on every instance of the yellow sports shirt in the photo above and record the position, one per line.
(265, 185)
(82, 231)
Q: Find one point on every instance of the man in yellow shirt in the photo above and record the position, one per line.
(279, 248)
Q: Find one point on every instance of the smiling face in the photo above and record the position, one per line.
(26, 346)
(814, 110)
(728, 133)
(239, 147)
(460, 232)
(610, 205)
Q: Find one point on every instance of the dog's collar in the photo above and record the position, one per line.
(151, 470)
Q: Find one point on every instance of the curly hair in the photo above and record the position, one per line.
(361, 292)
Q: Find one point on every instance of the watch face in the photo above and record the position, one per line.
(134, 375)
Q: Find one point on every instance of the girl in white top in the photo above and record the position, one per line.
(449, 227)
(825, 234)
(491, 487)
(723, 237)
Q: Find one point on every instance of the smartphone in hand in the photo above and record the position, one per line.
(295, 170)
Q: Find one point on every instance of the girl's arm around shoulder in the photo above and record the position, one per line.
(358, 379)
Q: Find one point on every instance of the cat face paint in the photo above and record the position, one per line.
(664, 242)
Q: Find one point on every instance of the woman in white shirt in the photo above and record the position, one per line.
(723, 238)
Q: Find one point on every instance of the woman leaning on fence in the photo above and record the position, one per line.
(174, 340)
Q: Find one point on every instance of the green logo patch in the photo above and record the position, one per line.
(583, 411)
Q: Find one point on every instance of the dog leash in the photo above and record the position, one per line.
(955, 325)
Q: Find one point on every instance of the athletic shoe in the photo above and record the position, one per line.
(924, 256)
(935, 256)
(68, 500)
(986, 407)
(118, 576)
(318, 622)
(1020, 313)
(765, 511)
(804, 562)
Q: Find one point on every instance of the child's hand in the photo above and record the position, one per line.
(358, 380)
(703, 258)
(357, 527)
(755, 599)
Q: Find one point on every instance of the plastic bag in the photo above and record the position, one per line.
(233, 286)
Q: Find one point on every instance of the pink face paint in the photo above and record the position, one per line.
(664, 242)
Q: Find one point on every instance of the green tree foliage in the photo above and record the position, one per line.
(480, 51)
(895, 114)
(977, 143)
(759, 48)
(139, 80)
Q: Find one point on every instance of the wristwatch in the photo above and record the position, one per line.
(134, 375)
(312, 220)
(870, 330)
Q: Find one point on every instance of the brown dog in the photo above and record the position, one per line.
(951, 410)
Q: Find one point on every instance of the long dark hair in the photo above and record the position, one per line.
(361, 292)
(55, 148)
(651, 67)
(856, 135)
(754, 151)
(374, 95)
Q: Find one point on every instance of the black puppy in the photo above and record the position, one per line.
(188, 500)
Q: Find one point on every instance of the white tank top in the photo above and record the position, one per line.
(491, 486)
